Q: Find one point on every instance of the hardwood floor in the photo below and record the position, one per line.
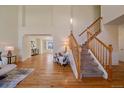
(48, 74)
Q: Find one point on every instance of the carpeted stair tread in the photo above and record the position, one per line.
(87, 54)
(84, 45)
(89, 60)
(89, 67)
(89, 64)
(92, 73)
(84, 51)
(85, 48)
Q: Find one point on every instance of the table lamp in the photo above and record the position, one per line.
(9, 50)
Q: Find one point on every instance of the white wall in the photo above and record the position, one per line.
(26, 48)
(45, 20)
(121, 42)
(111, 12)
(8, 26)
(54, 20)
(38, 44)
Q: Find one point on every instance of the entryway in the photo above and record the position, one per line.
(36, 44)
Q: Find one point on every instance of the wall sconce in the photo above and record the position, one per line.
(9, 50)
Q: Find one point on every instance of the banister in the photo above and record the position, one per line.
(95, 21)
(100, 41)
(75, 48)
(110, 62)
(83, 32)
(74, 38)
(90, 26)
(102, 52)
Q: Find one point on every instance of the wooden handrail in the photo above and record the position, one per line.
(90, 26)
(74, 38)
(92, 36)
(110, 63)
(75, 48)
(99, 41)
(83, 32)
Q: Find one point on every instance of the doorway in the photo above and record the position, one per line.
(36, 44)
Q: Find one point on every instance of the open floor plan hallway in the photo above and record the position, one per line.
(49, 74)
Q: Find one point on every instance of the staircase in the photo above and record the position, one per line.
(89, 68)
(85, 63)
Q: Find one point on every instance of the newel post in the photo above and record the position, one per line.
(110, 63)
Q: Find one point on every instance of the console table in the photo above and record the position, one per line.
(10, 59)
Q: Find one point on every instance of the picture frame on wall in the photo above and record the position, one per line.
(49, 44)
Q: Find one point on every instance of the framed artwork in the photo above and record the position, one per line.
(49, 44)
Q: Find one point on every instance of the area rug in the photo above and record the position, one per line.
(14, 77)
